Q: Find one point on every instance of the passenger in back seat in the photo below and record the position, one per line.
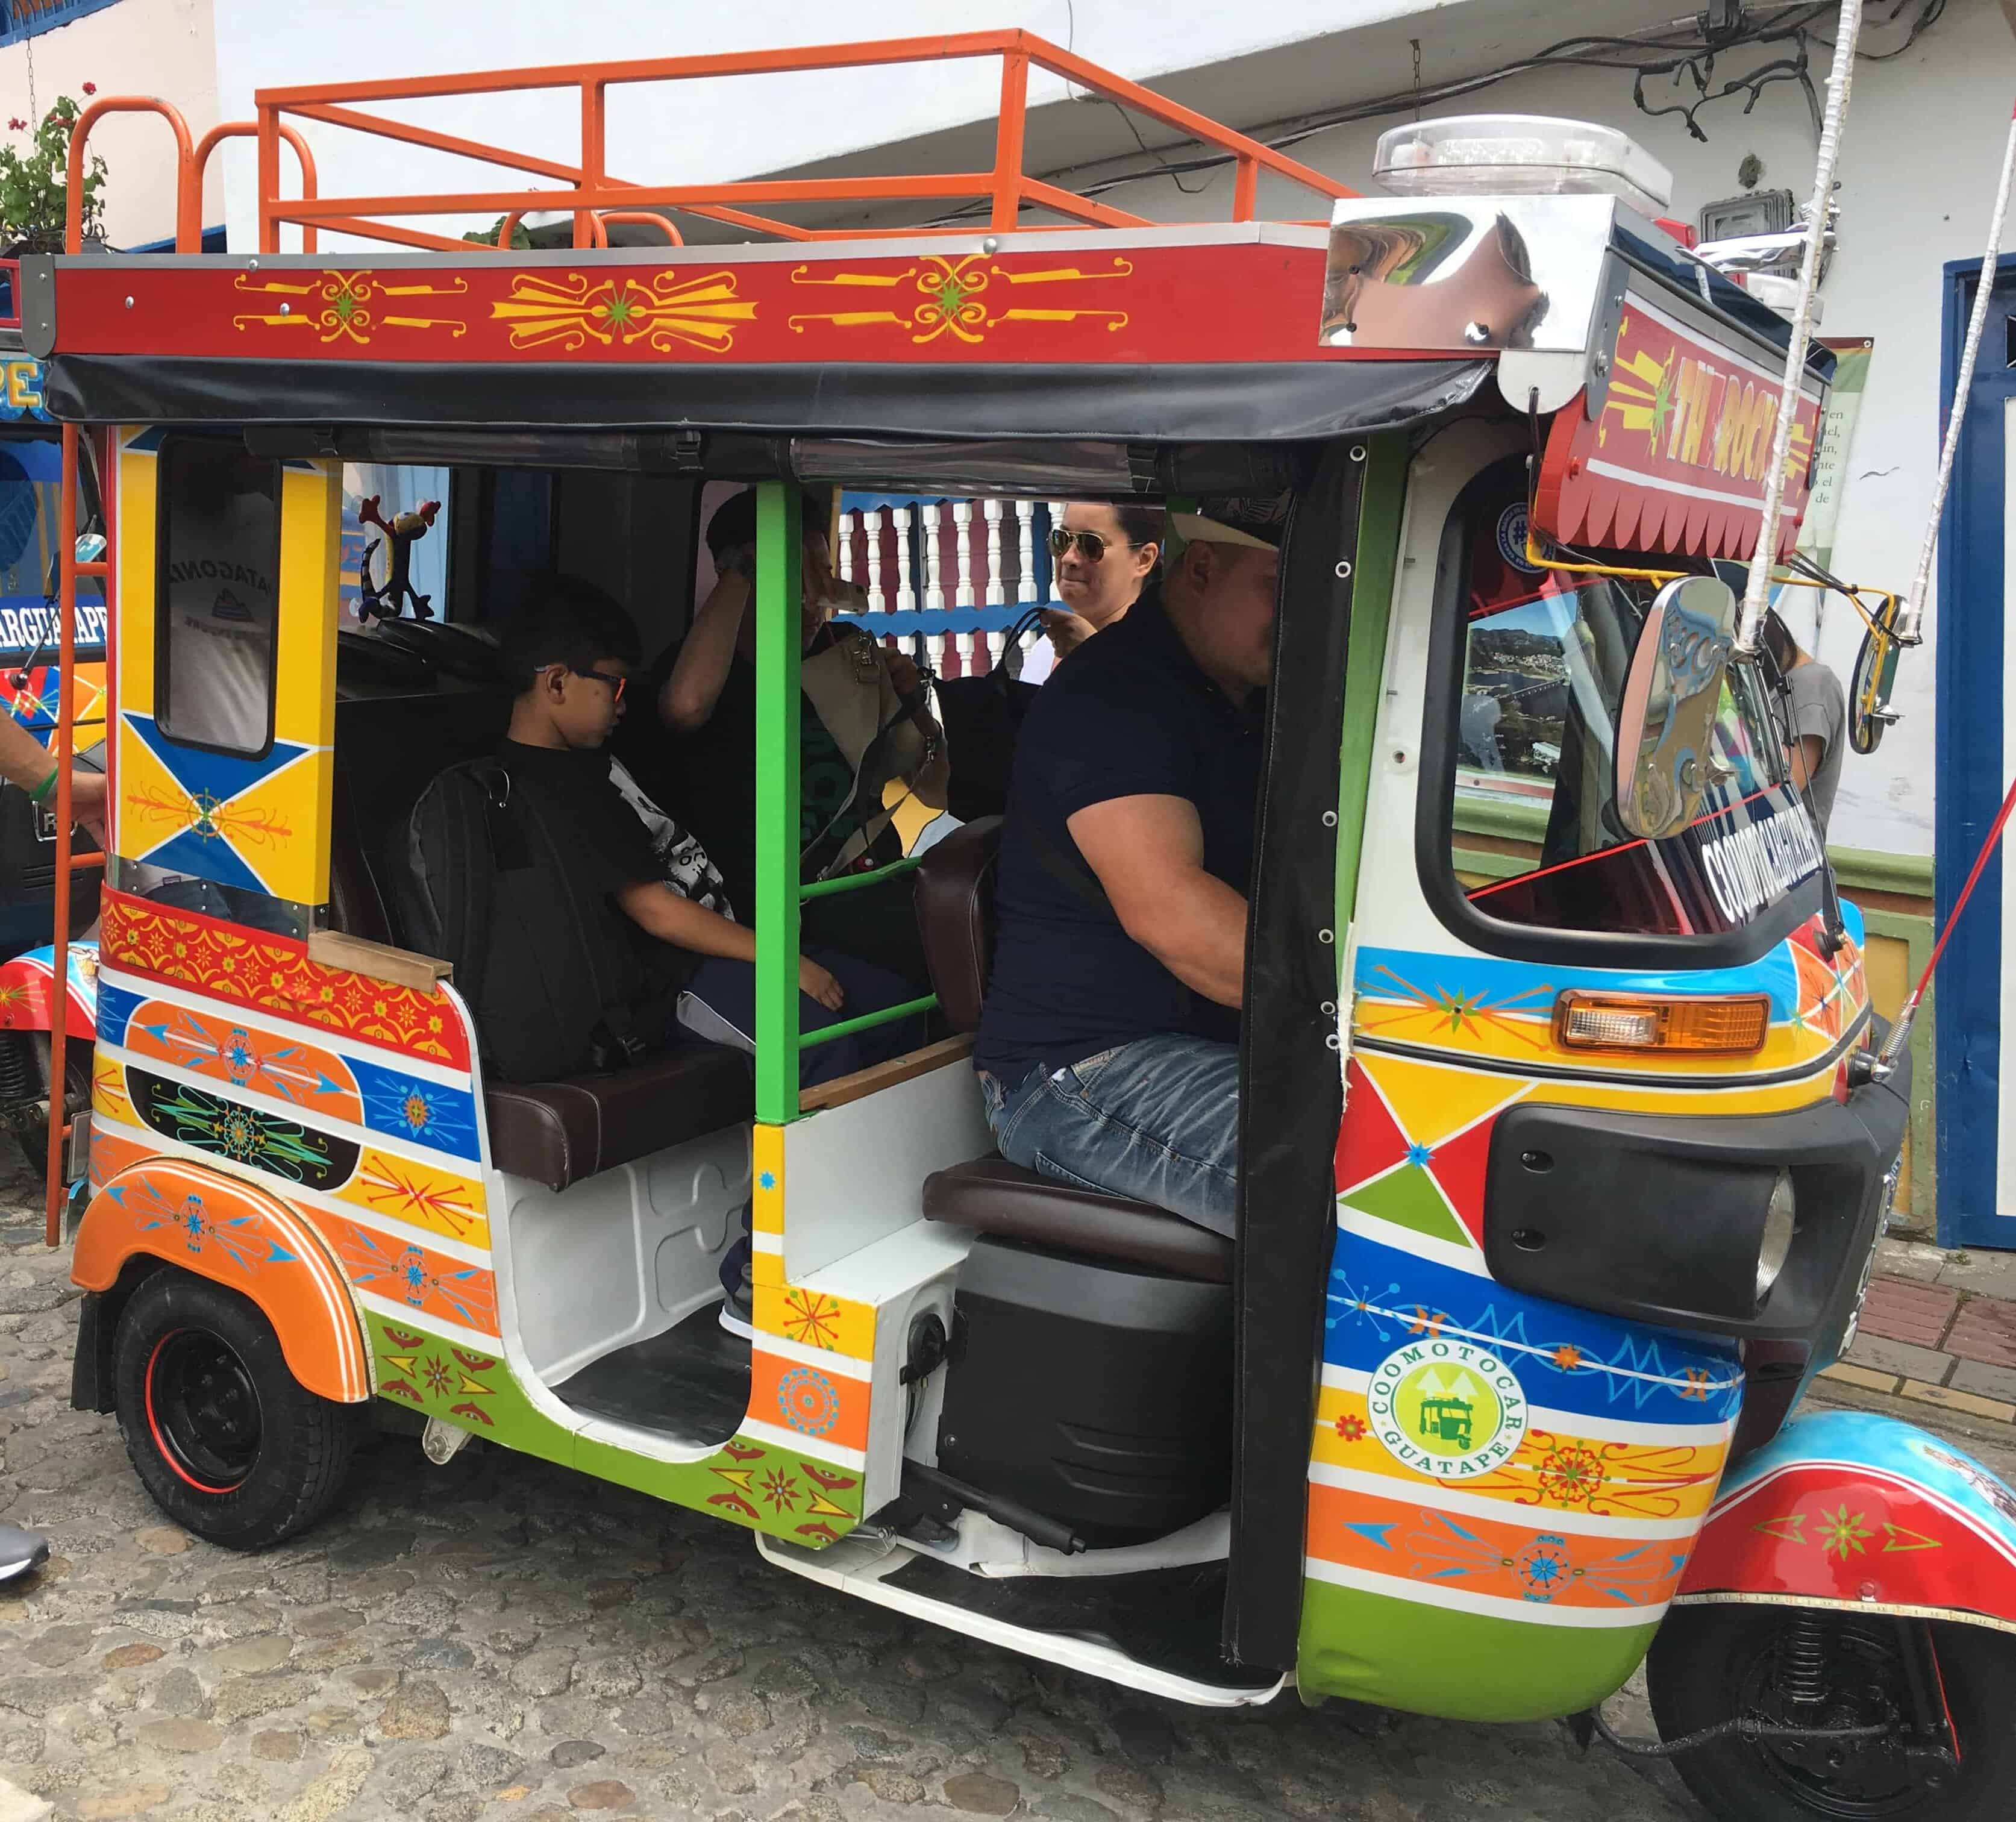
(570, 651)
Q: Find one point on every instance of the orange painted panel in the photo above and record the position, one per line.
(427, 1282)
(112, 1152)
(241, 1056)
(237, 1234)
(823, 1406)
(1513, 1561)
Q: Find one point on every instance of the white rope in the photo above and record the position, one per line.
(1839, 79)
(1912, 611)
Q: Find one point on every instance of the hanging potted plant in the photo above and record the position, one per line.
(33, 182)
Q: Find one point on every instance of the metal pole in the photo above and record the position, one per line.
(779, 647)
(64, 745)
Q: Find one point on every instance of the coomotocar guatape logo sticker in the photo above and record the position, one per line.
(1446, 1408)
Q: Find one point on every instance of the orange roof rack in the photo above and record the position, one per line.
(592, 191)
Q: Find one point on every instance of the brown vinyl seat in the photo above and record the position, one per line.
(551, 1132)
(558, 1132)
(990, 1195)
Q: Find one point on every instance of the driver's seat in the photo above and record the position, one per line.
(955, 915)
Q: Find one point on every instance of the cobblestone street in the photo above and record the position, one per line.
(501, 1638)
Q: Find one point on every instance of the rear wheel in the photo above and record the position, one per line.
(1792, 1666)
(229, 1443)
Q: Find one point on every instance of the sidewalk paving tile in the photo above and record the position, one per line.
(1983, 1274)
(1909, 1258)
(1985, 1381)
(1985, 1330)
(1883, 1356)
(1901, 1311)
(1993, 1409)
(1867, 1377)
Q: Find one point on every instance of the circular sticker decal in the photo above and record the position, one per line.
(1446, 1408)
(1512, 538)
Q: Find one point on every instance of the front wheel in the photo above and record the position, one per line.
(1838, 1671)
(230, 1445)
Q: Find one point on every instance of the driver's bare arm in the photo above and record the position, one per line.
(1148, 852)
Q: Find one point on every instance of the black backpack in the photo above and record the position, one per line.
(551, 974)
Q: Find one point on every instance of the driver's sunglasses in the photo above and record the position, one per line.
(1091, 544)
(616, 684)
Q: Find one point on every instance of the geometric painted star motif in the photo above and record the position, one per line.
(240, 822)
(1413, 1147)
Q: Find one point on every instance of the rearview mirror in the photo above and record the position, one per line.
(1665, 765)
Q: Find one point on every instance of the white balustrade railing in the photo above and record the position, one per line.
(942, 559)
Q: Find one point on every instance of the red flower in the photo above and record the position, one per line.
(91, 88)
(17, 126)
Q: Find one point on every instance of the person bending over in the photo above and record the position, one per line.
(1108, 1045)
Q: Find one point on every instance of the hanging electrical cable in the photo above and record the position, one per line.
(1684, 53)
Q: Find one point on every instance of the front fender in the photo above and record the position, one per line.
(1849, 1508)
(222, 1228)
(25, 994)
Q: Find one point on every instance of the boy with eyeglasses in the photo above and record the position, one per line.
(665, 948)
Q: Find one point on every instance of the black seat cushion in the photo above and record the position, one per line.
(557, 1132)
(994, 1196)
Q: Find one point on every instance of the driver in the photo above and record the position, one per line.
(1108, 1046)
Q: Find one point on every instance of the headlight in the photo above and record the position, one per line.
(1780, 1219)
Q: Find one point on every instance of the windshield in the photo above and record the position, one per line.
(1533, 813)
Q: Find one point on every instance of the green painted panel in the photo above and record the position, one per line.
(1408, 1197)
(1378, 557)
(1429, 1660)
(756, 1484)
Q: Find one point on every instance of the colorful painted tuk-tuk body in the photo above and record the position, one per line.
(1559, 1184)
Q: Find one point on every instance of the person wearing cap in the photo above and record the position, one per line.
(1108, 1048)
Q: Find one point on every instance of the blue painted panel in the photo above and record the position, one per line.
(1380, 1298)
(1969, 772)
(115, 1007)
(422, 1113)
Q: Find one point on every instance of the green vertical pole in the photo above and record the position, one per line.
(779, 646)
(1365, 662)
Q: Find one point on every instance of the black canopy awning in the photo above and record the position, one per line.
(1251, 401)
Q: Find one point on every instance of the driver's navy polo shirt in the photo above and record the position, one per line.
(1128, 714)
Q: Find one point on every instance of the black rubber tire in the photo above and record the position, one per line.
(297, 1454)
(1701, 1656)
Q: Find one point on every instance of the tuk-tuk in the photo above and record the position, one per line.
(1558, 1185)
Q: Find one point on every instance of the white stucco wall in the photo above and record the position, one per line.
(1918, 174)
(139, 47)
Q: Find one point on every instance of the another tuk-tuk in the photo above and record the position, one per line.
(31, 471)
(1558, 1185)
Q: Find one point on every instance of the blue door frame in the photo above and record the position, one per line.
(1969, 772)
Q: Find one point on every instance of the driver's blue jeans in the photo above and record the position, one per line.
(1157, 1120)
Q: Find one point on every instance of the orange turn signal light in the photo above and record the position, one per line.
(1730, 1025)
